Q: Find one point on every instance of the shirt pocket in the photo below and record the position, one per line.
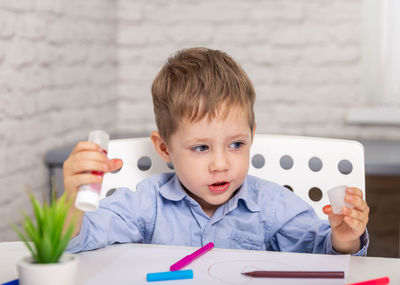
(246, 240)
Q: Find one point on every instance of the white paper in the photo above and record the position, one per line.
(219, 267)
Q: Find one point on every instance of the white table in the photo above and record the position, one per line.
(361, 268)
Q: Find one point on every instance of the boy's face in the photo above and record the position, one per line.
(211, 158)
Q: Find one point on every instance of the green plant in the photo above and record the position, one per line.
(45, 234)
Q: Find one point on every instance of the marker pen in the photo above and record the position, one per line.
(88, 196)
(379, 281)
(189, 258)
(170, 275)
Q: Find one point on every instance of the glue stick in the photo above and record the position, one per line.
(88, 196)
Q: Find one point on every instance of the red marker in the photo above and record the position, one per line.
(379, 281)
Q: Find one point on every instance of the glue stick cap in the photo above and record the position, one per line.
(86, 199)
(99, 137)
(336, 198)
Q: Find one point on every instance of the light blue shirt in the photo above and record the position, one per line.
(261, 216)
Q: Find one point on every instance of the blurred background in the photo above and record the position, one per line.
(327, 68)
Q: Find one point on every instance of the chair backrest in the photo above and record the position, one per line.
(306, 165)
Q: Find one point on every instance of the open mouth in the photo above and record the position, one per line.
(219, 187)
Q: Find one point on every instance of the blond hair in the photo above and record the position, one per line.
(195, 83)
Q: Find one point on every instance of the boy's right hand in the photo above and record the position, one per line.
(85, 158)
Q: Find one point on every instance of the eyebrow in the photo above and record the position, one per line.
(199, 140)
(238, 136)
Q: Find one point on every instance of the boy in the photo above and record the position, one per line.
(203, 104)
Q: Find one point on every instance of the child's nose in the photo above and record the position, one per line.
(219, 162)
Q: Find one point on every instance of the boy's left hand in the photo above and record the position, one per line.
(349, 226)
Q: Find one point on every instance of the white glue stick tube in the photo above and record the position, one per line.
(88, 196)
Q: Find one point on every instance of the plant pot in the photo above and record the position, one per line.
(61, 273)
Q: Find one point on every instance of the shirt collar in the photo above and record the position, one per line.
(172, 190)
(243, 195)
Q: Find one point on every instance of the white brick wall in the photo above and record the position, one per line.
(58, 80)
(70, 66)
(303, 56)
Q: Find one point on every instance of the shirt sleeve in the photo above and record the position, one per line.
(364, 243)
(297, 228)
(123, 217)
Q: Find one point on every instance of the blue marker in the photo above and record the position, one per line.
(13, 282)
(170, 275)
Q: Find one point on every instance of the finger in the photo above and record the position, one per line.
(354, 214)
(356, 225)
(356, 202)
(82, 179)
(115, 164)
(84, 145)
(88, 165)
(334, 219)
(327, 210)
(354, 191)
(91, 155)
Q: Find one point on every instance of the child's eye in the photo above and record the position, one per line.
(236, 145)
(200, 148)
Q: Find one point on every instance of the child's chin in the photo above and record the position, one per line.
(218, 201)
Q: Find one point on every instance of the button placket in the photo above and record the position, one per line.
(207, 235)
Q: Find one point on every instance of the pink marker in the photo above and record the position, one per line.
(379, 281)
(189, 258)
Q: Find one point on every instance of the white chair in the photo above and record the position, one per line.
(308, 166)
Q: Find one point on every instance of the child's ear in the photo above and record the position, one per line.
(160, 146)
(253, 132)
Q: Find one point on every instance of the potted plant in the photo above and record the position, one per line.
(46, 235)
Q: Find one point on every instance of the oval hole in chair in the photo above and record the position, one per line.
(345, 167)
(315, 194)
(286, 162)
(288, 187)
(144, 163)
(110, 192)
(315, 164)
(258, 161)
